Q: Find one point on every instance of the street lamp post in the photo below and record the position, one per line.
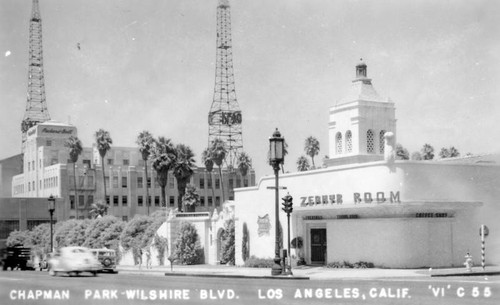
(276, 158)
(52, 207)
(288, 208)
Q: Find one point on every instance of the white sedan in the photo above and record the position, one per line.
(73, 261)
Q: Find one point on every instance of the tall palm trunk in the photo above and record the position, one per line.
(221, 184)
(147, 192)
(104, 179)
(212, 186)
(76, 194)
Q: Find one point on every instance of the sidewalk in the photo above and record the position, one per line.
(303, 272)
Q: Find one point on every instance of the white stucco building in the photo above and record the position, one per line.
(368, 206)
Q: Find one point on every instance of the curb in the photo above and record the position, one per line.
(238, 276)
(467, 274)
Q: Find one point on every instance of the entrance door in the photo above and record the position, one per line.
(318, 246)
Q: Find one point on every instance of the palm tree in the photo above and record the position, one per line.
(75, 148)
(244, 163)
(206, 159)
(303, 164)
(103, 142)
(163, 158)
(98, 209)
(218, 152)
(311, 148)
(145, 141)
(183, 169)
(191, 198)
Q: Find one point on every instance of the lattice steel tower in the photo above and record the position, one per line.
(225, 119)
(36, 106)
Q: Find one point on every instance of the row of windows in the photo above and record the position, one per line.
(47, 183)
(370, 142)
(7, 226)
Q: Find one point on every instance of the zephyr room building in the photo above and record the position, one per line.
(368, 206)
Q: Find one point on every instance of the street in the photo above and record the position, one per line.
(35, 287)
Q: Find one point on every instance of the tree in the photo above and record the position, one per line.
(244, 163)
(402, 153)
(76, 235)
(206, 159)
(134, 235)
(146, 142)
(311, 147)
(218, 153)
(191, 198)
(228, 248)
(303, 164)
(97, 235)
(40, 239)
(19, 238)
(103, 142)
(183, 169)
(75, 148)
(163, 157)
(187, 245)
(98, 209)
(427, 152)
(61, 233)
(416, 156)
(452, 152)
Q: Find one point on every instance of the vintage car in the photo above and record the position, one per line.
(73, 261)
(107, 258)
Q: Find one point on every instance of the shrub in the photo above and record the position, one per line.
(245, 243)
(254, 262)
(161, 244)
(187, 246)
(346, 264)
(228, 242)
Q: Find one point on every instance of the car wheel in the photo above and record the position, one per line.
(52, 272)
(94, 273)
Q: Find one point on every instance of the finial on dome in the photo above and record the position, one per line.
(361, 71)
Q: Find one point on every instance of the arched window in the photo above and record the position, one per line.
(381, 142)
(348, 141)
(370, 142)
(338, 143)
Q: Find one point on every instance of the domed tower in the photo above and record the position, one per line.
(358, 123)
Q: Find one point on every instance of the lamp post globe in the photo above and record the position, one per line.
(276, 158)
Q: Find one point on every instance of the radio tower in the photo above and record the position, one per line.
(36, 106)
(224, 118)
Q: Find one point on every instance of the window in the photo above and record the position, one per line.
(72, 202)
(202, 183)
(90, 199)
(238, 182)
(29, 166)
(124, 182)
(157, 185)
(209, 183)
(34, 223)
(157, 201)
(110, 161)
(124, 200)
(217, 183)
(80, 180)
(149, 182)
(125, 218)
(81, 200)
(172, 201)
(202, 201)
(126, 162)
(90, 181)
(171, 183)
(139, 182)
(115, 200)
(149, 200)
(115, 182)
(106, 180)
(86, 163)
(348, 141)
(48, 143)
(338, 143)
(33, 165)
(231, 182)
(245, 182)
(381, 141)
(107, 199)
(139, 201)
(370, 142)
(210, 201)
(217, 201)
(7, 226)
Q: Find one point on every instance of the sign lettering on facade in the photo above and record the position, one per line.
(358, 198)
(264, 225)
(58, 131)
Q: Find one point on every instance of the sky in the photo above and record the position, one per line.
(133, 65)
